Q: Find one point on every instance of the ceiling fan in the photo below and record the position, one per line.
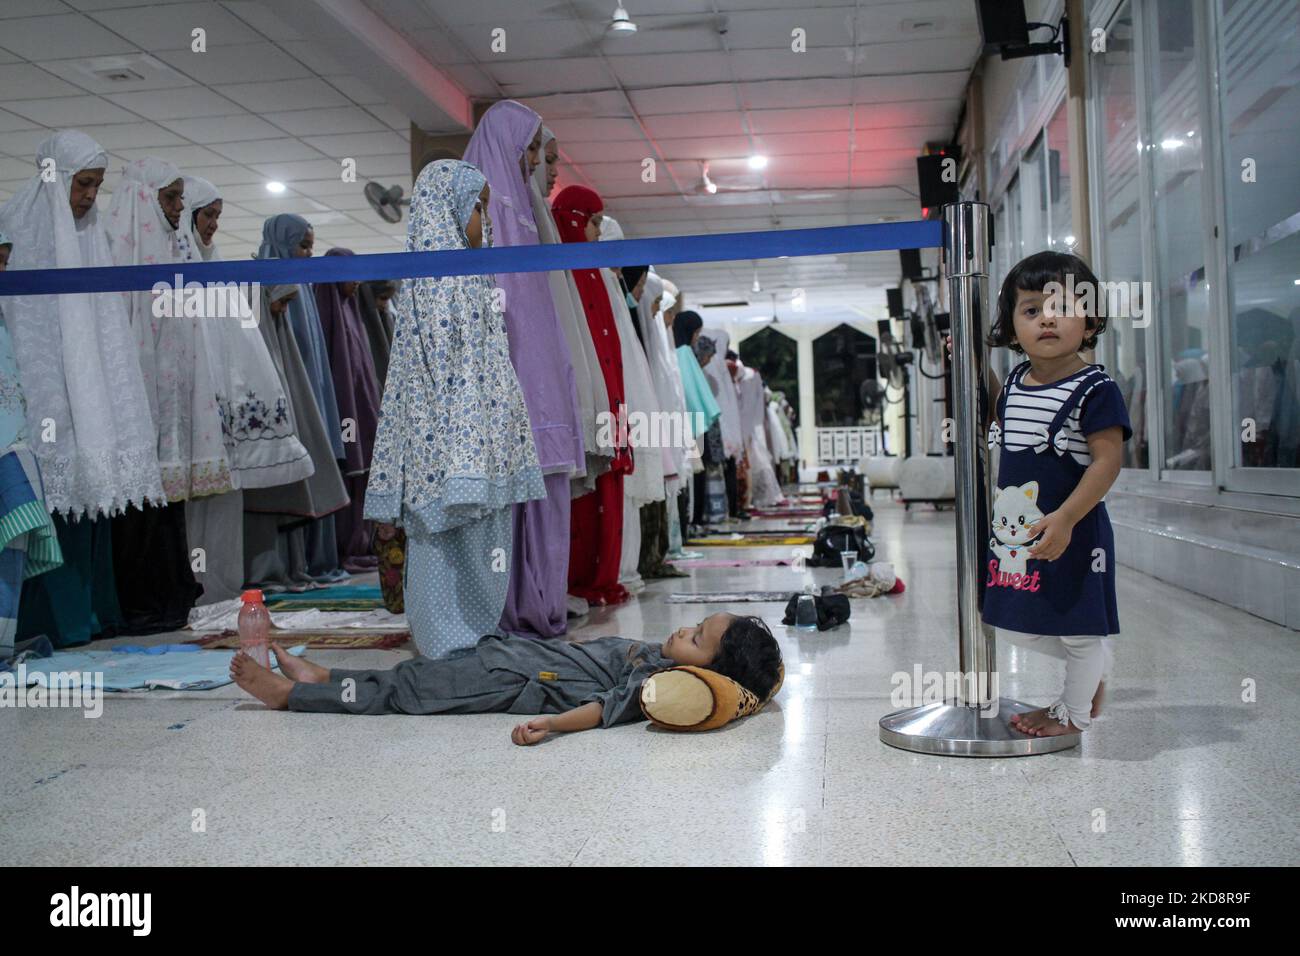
(620, 24)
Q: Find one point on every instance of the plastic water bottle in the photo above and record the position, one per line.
(848, 558)
(805, 612)
(255, 628)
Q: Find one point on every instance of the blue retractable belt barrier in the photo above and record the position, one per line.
(544, 258)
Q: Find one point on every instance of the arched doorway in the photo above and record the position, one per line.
(776, 357)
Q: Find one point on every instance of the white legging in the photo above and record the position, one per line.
(1087, 663)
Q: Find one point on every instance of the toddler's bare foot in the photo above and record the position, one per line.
(1023, 722)
(1039, 723)
(1098, 698)
(268, 687)
(299, 668)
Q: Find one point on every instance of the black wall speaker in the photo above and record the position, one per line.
(929, 176)
(1002, 22)
(911, 262)
(895, 299)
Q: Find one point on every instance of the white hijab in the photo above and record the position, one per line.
(88, 416)
(667, 378)
(261, 440)
(139, 234)
(198, 193)
(592, 394)
(646, 483)
(724, 390)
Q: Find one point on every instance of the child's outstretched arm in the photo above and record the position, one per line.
(536, 730)
(1106, 447)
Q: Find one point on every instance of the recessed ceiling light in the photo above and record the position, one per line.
(757, 162)
(275, 187)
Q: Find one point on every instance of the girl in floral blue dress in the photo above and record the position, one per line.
(454, 449)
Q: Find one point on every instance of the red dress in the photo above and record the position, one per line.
(596, 519)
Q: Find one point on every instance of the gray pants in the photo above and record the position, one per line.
(459, 685)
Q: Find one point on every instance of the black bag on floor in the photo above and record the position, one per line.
(835, 538)
(832, 609)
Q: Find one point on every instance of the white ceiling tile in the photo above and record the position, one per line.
(685, 68)
(601, 103)
(597, 128)
(706, 147)
(474, 80)
(786, 94)
(354, 89)
(293, 204)
(12, 121)
(259, 15)
(62, 36)
(438, 47)
(32, 8)
(223, 129)
(245, 62)
(807, 119)
(751, 65)
(184, 103)
(358, 144)
(702, 99)
(15, 169)
(22, 143)
(227, 174)
(252, 152)
(289, 95)
(541, 77)
(597, 152)
(181, 156)
(908, 113)
(721, 123)
(321, 62)
(908, 137)
(20, 81)
(391, 116)
(127, 135)
(66, 111)
(293, 172)
(772, 30)
(949, 85)
(348, 119)
(171, 28)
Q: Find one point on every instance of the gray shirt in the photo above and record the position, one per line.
(562, 675)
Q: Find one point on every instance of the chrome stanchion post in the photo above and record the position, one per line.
(976, 721)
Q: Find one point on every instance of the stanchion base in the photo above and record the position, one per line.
(952, 730)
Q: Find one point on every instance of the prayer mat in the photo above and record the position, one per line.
(314, 640)
(749, 542)
(337, 597)
(731, 597)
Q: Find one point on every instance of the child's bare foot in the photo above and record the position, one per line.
(1040, 723)
(1023, 722)
(268, 687)
(1098, 698)
(299, 668)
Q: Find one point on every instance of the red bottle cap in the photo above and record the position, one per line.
(251, 597)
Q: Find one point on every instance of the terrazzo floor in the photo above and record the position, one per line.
(1194, 762)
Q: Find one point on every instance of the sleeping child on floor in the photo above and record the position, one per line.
(577, 685)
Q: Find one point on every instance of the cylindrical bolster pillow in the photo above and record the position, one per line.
(695, 698)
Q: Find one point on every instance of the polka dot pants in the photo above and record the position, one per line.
(456, 583)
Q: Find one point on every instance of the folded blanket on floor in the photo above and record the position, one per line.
(730, 597)
(224, 616)
(121, 672)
